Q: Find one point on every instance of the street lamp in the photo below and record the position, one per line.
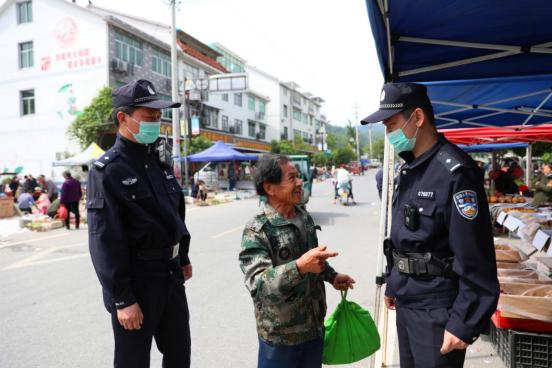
(322, 133)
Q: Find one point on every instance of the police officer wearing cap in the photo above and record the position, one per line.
(137, 236)
(441, 276)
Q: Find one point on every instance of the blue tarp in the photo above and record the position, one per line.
(492, 147)
(220, 152)
(498, 22)
(494, 25)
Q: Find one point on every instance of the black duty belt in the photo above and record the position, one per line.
(157, 254)
(423, 264)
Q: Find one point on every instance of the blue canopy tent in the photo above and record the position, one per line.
(220, 152)
(491, 147)
(486, 63)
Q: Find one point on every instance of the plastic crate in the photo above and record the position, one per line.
(522, 349)
(530, 349)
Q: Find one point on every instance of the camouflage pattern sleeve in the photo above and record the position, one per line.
(265, 281)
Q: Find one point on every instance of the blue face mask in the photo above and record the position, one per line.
(148, 132)
(400, 141)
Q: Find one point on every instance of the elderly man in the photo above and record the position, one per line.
(285, 269)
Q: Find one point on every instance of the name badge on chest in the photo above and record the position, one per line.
(422, 194)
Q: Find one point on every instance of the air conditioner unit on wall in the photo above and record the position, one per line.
(119, 66)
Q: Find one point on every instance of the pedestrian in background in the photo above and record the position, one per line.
(137, 236)
(442, 277)
(14, 186)
(285, 270)
(25, 202)
(49, 187)
(71, 193)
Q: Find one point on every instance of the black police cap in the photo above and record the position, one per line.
(140, 93)
(397, 97)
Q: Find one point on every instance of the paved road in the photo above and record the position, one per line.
(51, 313)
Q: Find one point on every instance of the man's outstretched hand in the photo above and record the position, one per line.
(314, 261)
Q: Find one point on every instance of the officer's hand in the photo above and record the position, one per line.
(314, 261)
(343, 282)
(389, 302)
(187, 272)
(451, 342)
(131, 317)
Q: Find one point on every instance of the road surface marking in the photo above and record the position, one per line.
(34, 259)
(220, 235)
(33, 240)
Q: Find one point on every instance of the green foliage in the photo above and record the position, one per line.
(199, 144)
(378, 147)
(540, 149)
(321, 159)
(95, 119)
(343, 155)
(283, 147)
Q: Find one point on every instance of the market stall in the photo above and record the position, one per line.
(225, 168)
(92, 153)
(485, 65)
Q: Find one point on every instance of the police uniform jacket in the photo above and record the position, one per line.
(134, 205)
(446, 187)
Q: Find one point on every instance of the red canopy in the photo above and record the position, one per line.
(510, 134)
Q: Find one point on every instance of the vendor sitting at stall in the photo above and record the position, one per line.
(25, 201)
(543, 186)
(43, 202)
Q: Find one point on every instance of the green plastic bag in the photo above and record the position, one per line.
(351, 334)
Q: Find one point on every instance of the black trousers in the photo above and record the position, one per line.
(72, 207)
(420, 334)
(166, 319)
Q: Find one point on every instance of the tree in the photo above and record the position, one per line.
(199, 144)
(283, 147)
(95, 119)
(343, 155)
(539, 149)
(320, 159)
(378, 147)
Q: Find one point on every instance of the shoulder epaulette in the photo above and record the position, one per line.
(448, 160)
(256, 224)
(106, 159)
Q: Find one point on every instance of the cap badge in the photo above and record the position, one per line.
(382, 97)
(129, 181)
(151, 91)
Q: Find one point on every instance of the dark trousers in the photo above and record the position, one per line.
(420, 334)
(306, 355)
(166, 319)
(72, 207)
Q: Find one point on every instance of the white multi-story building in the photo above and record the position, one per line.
(297, 114)
(57, 55)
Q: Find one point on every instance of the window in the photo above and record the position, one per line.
(225, 123)
(238, 126)
(161, 63)
(296, 134)
(296, 114)
(166, 113)
(225, 97)
(27, 102)
(305, 118)
(251, 126)
(191, 72)
(285, 111)
(262, 131)
(251, 103)
(26, 55)
(285, 135)
(128, 49)
(262, 106)
(238, 99)
(24, 12)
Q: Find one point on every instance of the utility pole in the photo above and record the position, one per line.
(356, 107)
(175, 97)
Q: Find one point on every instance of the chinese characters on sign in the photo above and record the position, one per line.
(72, 59)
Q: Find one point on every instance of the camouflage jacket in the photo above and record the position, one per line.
(289, 308)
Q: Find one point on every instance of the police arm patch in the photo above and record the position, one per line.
(466, 204)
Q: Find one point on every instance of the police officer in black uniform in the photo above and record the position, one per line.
(137, 236)
(442, 276)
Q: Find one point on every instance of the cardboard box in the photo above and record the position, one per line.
(6, 207)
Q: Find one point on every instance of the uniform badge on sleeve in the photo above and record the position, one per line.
(466, 203)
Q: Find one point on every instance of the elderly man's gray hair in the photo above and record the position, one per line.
(269, 169)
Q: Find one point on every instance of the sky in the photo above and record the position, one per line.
(325, 46)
